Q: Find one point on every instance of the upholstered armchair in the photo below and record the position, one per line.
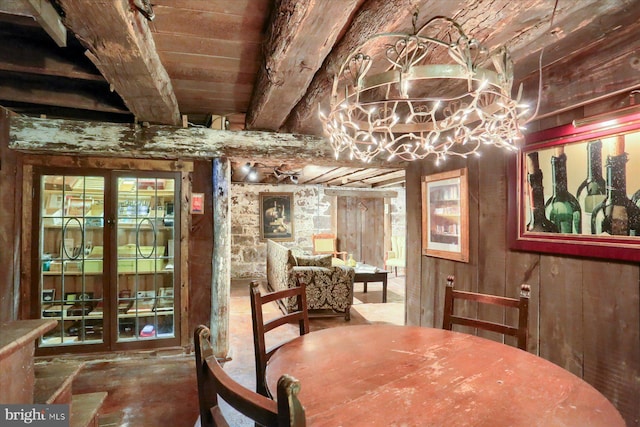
(396, 256)
(328, 286)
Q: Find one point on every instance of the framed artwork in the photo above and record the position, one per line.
(445, 215)
(575, 190)
(276, 216)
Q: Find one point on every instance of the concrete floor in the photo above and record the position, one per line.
(159, 388)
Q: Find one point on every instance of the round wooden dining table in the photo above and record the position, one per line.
(388, 375)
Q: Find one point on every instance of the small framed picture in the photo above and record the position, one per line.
(445, 215)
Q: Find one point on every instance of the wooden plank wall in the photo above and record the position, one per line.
(360, 228)
(584, 313)
(9, 224)
(201, 248)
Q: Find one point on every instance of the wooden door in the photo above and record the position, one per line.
(360, 228)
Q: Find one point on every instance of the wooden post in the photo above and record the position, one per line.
(221, 277)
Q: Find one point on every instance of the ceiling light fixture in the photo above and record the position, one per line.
(432, 96)
(281, 175)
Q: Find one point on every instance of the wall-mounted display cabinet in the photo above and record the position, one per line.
(107, 259)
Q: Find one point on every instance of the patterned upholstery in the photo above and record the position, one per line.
(328, 287)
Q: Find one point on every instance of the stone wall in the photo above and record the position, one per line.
(311, 215)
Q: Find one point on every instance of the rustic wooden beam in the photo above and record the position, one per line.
(58, 98)
(599, 70)
(375, 16)
(391, 182)
(120, 44)
(42, 12)
(167, 142)
(23, 56)
(356, 176)
(301, 34)
(360, 193)
(221, 263)
(10, 195)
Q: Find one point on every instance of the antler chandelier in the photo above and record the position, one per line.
(413, 107)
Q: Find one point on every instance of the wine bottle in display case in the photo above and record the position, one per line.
(538, 221)
(562, 208)
(616, 214)
(591, 192)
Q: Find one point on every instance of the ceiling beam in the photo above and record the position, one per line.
(121, 46)
(360, 193)
(57, 97)
(29, 57)
(375, 16)
(42, 12)
(301, 34)
(598, 70)
(167, 142)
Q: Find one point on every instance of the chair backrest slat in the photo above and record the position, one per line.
(261, 327)
(520, 304)
(213, 381)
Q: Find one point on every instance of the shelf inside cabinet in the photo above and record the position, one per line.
(72, 273)
(145, 314)
(455, 216)
(86, 316)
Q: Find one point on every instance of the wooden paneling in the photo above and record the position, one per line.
(201, 248)
(584, 313)
(413, 273)
(561, 313)
(211, 25)
(372, 230)
(436, 270)
(10, 191)
(612, 341)
(360, 228)
(492, 190)
(523, 267)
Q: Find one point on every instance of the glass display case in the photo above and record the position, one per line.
(106, 258)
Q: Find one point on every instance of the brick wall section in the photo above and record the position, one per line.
(311, 215)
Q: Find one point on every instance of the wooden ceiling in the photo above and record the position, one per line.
(261, 65)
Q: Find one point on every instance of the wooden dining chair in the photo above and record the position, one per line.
(520, 304)
(261, 326)
(213, 381)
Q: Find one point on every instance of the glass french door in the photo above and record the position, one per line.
(106, 258)
(146, 243)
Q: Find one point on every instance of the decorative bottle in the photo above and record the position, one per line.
(591, 192)
(538, 221)
(351, 262)
(616, 214)
(562, 208)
